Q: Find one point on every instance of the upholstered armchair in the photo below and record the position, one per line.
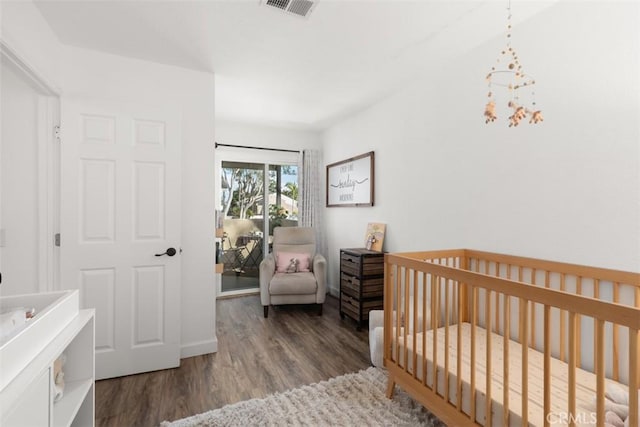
(293, 273)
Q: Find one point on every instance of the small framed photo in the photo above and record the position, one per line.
(374, 238)
(350, 181)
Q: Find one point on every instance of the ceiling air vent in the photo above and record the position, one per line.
(297, 7)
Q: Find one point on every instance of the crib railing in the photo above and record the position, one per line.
(556, 308)
(603, 284)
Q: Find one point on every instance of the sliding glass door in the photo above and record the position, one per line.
(254, 199)
(243, 224)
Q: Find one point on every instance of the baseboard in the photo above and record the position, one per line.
(198, 348)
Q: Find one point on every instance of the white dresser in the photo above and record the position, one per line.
(27, 356)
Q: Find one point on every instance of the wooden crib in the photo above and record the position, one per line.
(522, 341)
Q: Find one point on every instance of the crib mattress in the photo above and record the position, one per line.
(585, 381)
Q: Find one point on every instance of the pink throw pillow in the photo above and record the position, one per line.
(285, 262)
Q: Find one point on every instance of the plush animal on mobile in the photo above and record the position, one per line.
(490, 112)
(519, 113)
(536, 117)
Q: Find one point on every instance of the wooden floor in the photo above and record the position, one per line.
(256, 357)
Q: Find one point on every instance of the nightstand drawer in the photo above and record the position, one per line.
(352, 307)
(356, 264)
(370, 287)
(350, 264)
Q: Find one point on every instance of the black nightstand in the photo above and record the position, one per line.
(361, 283)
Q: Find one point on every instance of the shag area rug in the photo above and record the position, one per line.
(356, 399)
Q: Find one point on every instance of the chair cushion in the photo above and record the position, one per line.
(284, 261)
(293, 284)
(294, 239)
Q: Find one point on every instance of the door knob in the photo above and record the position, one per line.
(169, 252)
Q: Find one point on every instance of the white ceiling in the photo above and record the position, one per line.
(283, 70)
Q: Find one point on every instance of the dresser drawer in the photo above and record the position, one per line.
(370, 287)
(371, 265)
(350, 264)
(352, 306)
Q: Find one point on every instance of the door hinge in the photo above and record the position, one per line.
(56, 239)
(56, 133)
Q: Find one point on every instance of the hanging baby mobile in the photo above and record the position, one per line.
(508, 73)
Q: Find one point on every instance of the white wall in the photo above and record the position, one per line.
(19, 178)
(26, 32)
(238, 133)
(254, 135)
(567, 189)
(80, 72)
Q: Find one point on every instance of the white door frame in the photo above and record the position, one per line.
(48, 163)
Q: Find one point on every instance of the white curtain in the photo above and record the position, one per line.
(310, 203)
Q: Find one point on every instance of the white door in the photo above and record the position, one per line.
(120, 206)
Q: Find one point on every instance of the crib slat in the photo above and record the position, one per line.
(435, 303)
(458, 351)
(388, 304)
(496, 325)
(446, 339)
(415, 322)
(616, 335)
(463, 291)
(547, 365)
(546, 279)
(599, 355)
(596, 295)
(563, 328)
(634, 377)
(456, 296)
(474, 321)
(578, 325)
(520, 276)
(390, 284)
(524, 320)
(406, 319)
(505, 362)
(571, 386)
(532, 340)
(634, 369)
(637, 346)
(398, 287)
(423, 361)
(488, 359)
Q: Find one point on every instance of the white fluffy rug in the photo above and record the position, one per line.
(349, 400)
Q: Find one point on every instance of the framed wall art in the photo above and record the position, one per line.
(350, 182)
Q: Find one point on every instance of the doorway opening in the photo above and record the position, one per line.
(255, 197)
(29, 177)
